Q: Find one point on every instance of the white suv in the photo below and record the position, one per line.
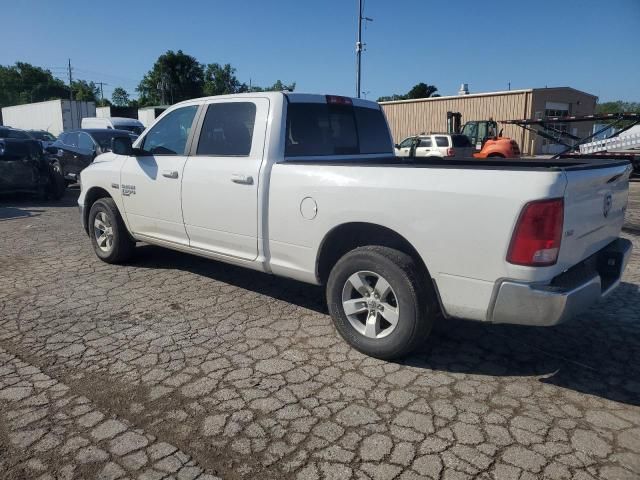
(441, 145)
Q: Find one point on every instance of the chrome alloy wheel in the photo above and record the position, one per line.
(370, 304)
(103, 231)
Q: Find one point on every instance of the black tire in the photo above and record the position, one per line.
(57, 184)
(122, 246)
(416, 301)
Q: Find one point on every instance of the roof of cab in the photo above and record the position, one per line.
(291, 97)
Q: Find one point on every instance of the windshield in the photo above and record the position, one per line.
(132, 128)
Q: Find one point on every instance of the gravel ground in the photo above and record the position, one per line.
(178, 367)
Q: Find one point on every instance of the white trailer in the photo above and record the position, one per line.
(54, 116)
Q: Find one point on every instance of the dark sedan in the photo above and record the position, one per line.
(76, 149)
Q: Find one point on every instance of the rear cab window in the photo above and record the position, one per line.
(325, 129)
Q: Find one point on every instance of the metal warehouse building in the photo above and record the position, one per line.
(410, 117)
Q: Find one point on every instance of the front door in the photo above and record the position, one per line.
(220, 184)
(151, 183)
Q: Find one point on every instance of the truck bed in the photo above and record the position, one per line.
(469, 163)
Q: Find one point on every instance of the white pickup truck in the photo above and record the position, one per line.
(307, 187)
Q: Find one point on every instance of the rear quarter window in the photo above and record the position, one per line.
(442, 141)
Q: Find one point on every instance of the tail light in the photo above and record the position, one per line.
(451, 152)
(536, 238)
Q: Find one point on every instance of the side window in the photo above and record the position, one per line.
(71, 139)
(227, 129)
(169, 136)
(85, 142)
(442, 141)
(425, 142)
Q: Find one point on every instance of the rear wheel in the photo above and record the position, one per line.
(108, 233)
(380, 303)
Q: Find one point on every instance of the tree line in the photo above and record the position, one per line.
(174, 77)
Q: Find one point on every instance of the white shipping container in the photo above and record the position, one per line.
(54, 116)
(147, 115)
(103, 112)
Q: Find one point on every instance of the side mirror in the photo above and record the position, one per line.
(122, 146)
(51, 149)
(397, 146)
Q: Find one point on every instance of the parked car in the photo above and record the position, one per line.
(307, 187)
(25, 169)
(441, 145)
(8, 132)
(115, 123)
(76, 149)
(42, 136)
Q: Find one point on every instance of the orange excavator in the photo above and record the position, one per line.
(484, 136)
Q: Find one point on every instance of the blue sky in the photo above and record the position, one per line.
(591, 45)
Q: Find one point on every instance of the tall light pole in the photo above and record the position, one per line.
(359, 46)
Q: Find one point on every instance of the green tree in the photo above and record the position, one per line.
(24, 83)
(221, 80)
(120, 97)
(175, 76)
(421, 90)
(85, 91)
(619, 106)
(278, 86)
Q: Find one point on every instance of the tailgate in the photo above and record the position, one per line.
(594, 206)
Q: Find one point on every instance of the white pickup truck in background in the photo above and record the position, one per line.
(307, 187)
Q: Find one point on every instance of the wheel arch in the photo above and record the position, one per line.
(348, 236)
(92, 196)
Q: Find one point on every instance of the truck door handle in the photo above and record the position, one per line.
(242, 179)
(170, 173)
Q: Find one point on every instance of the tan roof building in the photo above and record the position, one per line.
(410, 117)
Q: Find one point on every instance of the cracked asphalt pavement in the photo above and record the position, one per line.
(178, 367)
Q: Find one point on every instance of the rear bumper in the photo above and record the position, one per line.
(566, 295)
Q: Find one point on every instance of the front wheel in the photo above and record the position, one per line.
(380, 303)
(108, 233)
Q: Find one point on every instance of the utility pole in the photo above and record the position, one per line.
(70, 83)
(359, 48)
(101, 91)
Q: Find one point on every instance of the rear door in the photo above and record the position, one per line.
(594, 208)
(425, 147)
(220, 183)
